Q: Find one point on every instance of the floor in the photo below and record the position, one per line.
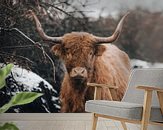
(60, 121)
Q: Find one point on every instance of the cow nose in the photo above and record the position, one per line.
(79, 72)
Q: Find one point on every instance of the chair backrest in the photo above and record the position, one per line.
(145, 76)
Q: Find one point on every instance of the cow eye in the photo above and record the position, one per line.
(65, 49)
(91, 53)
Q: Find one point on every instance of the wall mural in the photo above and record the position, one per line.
(60, 50)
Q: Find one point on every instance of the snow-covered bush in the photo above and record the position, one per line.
(23, 80)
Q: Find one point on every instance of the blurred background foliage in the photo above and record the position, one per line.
(141, 37)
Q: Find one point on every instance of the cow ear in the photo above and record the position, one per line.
(99, 50)
(56, 49)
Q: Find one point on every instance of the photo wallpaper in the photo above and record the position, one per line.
(64, 48)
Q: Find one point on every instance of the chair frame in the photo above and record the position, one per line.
(146, 106)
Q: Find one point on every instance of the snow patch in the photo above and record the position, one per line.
(29, 79)
(136, 63)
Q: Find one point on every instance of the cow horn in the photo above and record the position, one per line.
(100, 40)
(41, 31)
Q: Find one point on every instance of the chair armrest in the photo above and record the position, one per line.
(148, 100)
(101, 85)
(150, 88)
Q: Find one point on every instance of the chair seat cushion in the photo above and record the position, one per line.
(131, 111)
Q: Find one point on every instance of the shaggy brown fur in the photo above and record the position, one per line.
(86, 61)
(104, 64)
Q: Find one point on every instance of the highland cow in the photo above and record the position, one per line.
(88, 58)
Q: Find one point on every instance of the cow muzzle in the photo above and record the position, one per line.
(78, 73)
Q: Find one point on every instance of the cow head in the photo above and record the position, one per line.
(79, 50)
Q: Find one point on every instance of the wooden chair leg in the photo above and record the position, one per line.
(146, 110)
(160, 98)
(94, 121)
(124, 125)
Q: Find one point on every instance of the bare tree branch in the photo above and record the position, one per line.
(16, 56)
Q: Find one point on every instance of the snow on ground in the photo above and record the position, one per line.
(136, 63)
